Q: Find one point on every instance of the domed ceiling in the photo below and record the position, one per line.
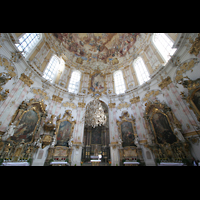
(90, 50)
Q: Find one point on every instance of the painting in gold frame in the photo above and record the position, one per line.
(27, 125)
(162, 128)
(194, 100)
(127, 131)
(64, 129)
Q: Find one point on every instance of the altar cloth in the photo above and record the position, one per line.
(15, 164)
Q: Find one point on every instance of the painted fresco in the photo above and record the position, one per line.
(162, 129)
(26, 127)
(196, 99)
(97, 46)
(127, 134)
(97, 83)
(63, 133)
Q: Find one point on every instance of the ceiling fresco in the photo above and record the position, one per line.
(103, 48)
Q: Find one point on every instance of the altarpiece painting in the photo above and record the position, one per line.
(165, 137)
(127, 133)
(19, 140)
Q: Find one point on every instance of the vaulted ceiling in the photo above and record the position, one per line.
(89, 51)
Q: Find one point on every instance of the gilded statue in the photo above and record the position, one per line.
(4, 78)
(4, 95)
(9, 132)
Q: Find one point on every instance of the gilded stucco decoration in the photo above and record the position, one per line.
(186, 66)
(4, 94)
(5, 77)
(26, 79)
(40, 92)
(8, 66)
(165, 82)
(193, 95)
(165, 136)
(81, 104)
(18, 142)
(135, 100)
(195, 48)
(69, 104)
(123, 105)
(111, 105)
(129, 145)
(57, 98)
(152, 93)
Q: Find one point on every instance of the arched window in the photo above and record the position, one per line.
(141, 70)
(164, 45)
(27, 42)
(51, 69)
(74, 82)
(119, 82)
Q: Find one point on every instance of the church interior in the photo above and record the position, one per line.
(99, 99)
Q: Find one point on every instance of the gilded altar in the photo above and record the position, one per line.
(165, 138)
(18, 143)
(129, 146)
(61, 150)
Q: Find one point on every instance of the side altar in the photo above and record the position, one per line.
(129, 151)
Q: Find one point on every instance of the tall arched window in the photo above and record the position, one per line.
(27, 42)
(74, 82)
(119, 82)
(164, 45)
(141, 70)
(51, 69)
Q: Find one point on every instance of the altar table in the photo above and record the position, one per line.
(95, 162)
(59, 163)
(131, 163)
(15, 164)
(170, 164)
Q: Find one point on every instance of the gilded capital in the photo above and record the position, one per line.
(81, 105)
(26, 80)
(165, 82)
(135, 100)
(57, 98)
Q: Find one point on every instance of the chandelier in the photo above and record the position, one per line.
(95, 115)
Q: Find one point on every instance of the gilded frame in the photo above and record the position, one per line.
(193, 106)
(156, 110)
(67, 118)
(125, 119)
(34, 131)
